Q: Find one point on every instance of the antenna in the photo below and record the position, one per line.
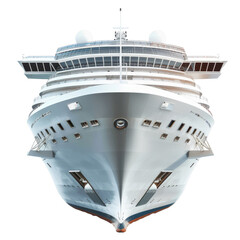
(120, 55)
(119, 36)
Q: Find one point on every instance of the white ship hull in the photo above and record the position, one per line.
(120, 165)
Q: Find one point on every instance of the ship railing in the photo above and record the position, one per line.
(37, 145)
(202, 144)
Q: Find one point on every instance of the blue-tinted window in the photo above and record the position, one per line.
(99, 61)
(91, 62)
(134, 61)
(184, 66)
(76, 63)
(171, 64)
(150, 62)
(158, 62)
(107, 61)
(115, 61)
(142, 61)
(177, 65)
(63, 64)
(165, 63)
(69, 64)
(83, 62)
(125, 61)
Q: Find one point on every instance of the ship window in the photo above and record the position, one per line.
(171, 64)
(40, 67)
(26, 67)
(94, 123)
(142, 61)
(204, 67)
(177, 65)
(199, 133)
(165, 63)
(70, 123)
(99, 61)
(76, 63)
(56, 66)
(115, 61)
(54, 141)
(84, 125)
(52, 128)
(197, 66)
(191, 67)
(202, 136)
(187, 140)
(47, 67)
(83, 62)
(218, 67)
(47, 132)
(64, 139)
(157, 124)
(77, 135)
(34, 67)
(107, 61)
(176, 139)
(181, 127)
(63, 64)
(164, 136)
(39, 136)
(126, 60)
(42, 133)
(95, 50)
(69, 64)
(147, 123)
(194, 131)
(171, 123)
(210, 67)
(150, 62)
(189, 129)
(91, 62)
(184, 66)
(60, 126)
(157, 62)
(134, 61)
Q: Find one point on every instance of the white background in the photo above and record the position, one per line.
(30, 207)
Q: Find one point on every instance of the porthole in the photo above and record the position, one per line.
(120, 123)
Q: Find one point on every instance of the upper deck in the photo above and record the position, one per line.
(137, 54)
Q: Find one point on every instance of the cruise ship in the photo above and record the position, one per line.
(120, 124)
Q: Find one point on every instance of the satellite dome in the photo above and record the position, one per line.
(83, 36)
(157, 36)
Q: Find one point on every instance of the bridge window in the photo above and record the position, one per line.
(40, 67)
(83, 62)
(142, 61)
(91, 62)
(34, 67)
(218, 67)
(150, 62)
(47, 67)
(210, 67)
(26, 67)
(197, 66)
(107, 61)
(76, 63)
(115, 61)
(158, 62)
(69, 64)
(204, 67)
(134, 61)
(99, 61)
(165, 63)
(63, 64)
(56, 66)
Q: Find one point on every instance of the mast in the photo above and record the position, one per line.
(120, 55)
